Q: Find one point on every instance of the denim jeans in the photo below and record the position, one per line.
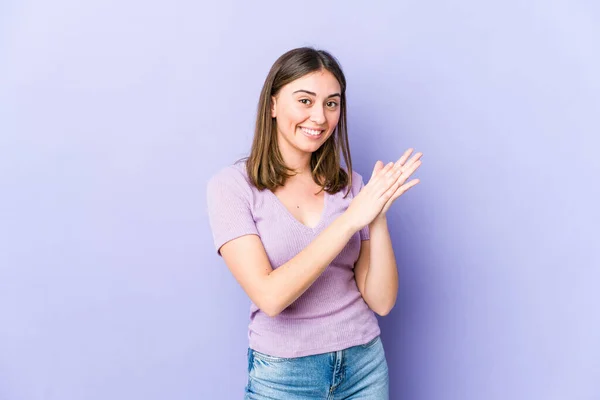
(358, 372)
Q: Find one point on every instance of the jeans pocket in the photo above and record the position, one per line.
(267, 358)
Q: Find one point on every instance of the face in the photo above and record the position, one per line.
(307, 111)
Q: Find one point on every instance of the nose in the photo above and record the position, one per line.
(317, 115)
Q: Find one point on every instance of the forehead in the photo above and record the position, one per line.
(322, 82)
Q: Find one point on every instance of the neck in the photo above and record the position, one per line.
(297, 161)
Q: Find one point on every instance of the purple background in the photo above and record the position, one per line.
(114, 114)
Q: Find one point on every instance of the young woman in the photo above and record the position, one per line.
(308, 241)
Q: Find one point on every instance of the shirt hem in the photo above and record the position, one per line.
(319, 350)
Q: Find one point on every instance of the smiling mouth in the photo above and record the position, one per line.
(312, 132)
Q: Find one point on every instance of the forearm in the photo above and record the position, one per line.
(381, 282)
(286, 283)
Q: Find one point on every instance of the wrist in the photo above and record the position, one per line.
(348, 224)
(380, 219)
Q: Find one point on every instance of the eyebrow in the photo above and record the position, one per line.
(314, 94)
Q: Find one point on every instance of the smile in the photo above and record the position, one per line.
(311, 132)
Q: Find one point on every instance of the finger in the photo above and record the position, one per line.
(404, 157)
(379, 172)
(410, 162)
(378, 167)
(392, 189)
(404, 188)
(387, 171)
(385, 180)
(408, 171)
(413, 159)
(399, 191)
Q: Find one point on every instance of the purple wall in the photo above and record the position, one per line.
(113, 115)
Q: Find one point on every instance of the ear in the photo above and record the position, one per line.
(273, 107)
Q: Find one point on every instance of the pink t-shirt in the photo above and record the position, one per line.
(331, 315)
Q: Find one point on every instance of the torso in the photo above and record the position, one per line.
(331, 314)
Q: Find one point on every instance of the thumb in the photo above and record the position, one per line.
(378, 167)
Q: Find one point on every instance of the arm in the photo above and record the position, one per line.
(376, 271)
(379, 284)
(274, 290)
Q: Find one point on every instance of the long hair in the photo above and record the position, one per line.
(265, 166)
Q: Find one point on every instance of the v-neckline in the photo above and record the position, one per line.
(294, 219)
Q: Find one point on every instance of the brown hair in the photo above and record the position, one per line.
(265, 166)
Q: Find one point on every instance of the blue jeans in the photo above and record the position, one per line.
(359, 372)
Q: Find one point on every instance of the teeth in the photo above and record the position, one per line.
(311, 132)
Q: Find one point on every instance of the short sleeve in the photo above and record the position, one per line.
(357, 185)
(228, 198)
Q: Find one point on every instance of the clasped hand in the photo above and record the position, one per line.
(387, 183)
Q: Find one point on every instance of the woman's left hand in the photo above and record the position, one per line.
(408, 168)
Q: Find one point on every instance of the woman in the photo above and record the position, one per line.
(308, 241)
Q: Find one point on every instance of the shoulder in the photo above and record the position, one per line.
(357, 182)
(230, 178)
(230, 175)
(356, 177)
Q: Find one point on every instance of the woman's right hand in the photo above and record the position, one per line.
(370, 201)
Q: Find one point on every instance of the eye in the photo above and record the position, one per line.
(304, 101)
(332, 104)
